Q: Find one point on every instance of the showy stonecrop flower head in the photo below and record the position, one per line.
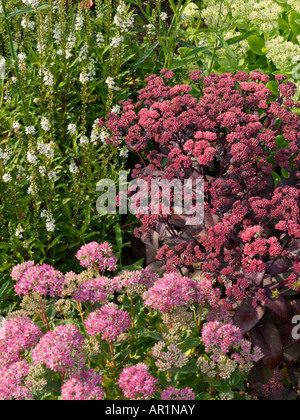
(108, 322)
(84, 386)
(93, 291)
(12, 383)
(98, 256)
(178, 394)
(173, 291)
(168, 356)
(137, 383)
(42, 279)
(17, 335)
(135, 282)
(61, 350)
(226, 341)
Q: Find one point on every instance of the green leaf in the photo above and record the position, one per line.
(227, 48)
(144, 57)
(143, 332)
(256, 44)
(5, 245)
(237, 39)
(293, 18)
(26, 10)
(273, 86)
(190, 344)
(4, 288)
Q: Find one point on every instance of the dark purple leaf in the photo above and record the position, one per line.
(292, 353)
(268, 339)
(279, 307)
(246, 317)
(277, 267)
(256, 278)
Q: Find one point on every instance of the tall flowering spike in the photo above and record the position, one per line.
(16, 336)
(108, 322)
(137, 383)
(42, 279)
(100, 256)
(84, 386)
(61, 350)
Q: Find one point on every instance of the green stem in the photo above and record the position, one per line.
(15, 60)
(111, 348)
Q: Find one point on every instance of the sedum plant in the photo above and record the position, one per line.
(70, 341)
(241, 139)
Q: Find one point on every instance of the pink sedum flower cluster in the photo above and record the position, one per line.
(100, 256)
(42, 279)
(61, 350)
(137, 383)
(16, 336)
(224, 339)
(12, 382)
(93, 291)
(186, 394)
(108, 322)
(173, 291)
(84, 386)
(135, 282)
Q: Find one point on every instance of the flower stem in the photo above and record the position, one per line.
(111, 348)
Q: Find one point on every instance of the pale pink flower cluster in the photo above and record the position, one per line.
(172, 357)
(135, 282)
(17, 335)
(84, 386)
(19, 270)
(93, 291)
(171, 393)
(42, 279)
(12, 382)
(137, 382)
(222, 339)
(100, 256)
(173, 291)
(61, 350)
(108, 322)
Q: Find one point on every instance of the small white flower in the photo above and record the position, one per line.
(31, 157)
(19, 232)
(16, 126)
(72, 129)
(30, 130)
(43, 170)
(7, 178)
(124, 152)
(163, 16)
(73, 168)
(84, 140)
(116, 109)
(45, 124)
(52, 175)
(100, 38)
(150, 29)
